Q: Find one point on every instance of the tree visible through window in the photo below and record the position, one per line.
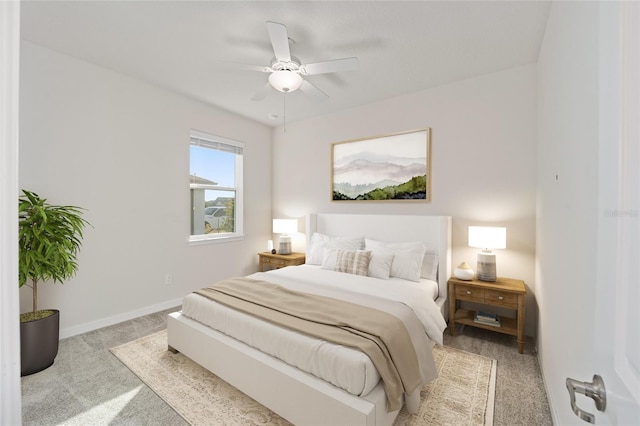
(215, 184)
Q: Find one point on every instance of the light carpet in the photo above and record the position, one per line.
(463, 394)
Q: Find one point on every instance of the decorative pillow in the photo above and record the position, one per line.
(430, 267)
(350, 261)
(380, 264)
(407, 258)
(315, 252)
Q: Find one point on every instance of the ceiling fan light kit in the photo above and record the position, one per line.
(285, 81)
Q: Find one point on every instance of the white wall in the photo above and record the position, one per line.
(120, 148)
(567, 199)
(483, 163)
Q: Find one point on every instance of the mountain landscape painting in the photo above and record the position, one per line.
(394, 167)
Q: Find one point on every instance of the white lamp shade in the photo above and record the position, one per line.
(285, 226)
(285, 81)
(488, 237)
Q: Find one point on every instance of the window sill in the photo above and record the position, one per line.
(198, 240)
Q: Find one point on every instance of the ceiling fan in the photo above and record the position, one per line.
(286, 71)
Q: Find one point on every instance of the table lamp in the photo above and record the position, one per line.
(285, 227)
(487, 238)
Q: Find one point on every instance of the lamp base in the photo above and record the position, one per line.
(486, 270)
(284, 246)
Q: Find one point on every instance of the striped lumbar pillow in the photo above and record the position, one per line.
(349, 261)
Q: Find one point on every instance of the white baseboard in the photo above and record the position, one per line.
(105, 322)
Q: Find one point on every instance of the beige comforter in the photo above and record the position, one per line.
(384, 333)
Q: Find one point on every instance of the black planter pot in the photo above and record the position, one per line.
(39, 343)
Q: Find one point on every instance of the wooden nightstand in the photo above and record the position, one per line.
(279, 260)
(504, 292)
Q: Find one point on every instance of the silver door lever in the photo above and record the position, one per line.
(594, 390)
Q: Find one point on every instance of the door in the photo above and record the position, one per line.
(617, 330)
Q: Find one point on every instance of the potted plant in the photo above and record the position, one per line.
(49, 240)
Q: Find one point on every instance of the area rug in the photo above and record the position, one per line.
(463, 394)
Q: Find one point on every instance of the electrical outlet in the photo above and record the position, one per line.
(168, 279)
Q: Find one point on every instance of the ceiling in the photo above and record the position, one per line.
(187, 46)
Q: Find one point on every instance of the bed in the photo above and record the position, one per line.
(335, 385)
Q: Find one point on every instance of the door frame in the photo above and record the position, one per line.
(10, 385)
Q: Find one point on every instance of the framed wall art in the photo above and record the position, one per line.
(387, 168)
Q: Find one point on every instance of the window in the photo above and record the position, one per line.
(215, 184)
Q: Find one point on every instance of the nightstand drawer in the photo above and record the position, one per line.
(501, 298)
(470, 293)
(276, 262)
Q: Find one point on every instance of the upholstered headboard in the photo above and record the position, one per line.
(433, 231)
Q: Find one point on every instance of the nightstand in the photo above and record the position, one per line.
(504, 292)
(278, 261)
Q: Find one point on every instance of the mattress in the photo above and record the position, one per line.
(344, 367)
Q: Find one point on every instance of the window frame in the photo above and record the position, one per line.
(219, 143)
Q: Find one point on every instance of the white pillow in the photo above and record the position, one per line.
(380, 264)
(350, 261)
(330, 258)
(407, 258)
(430, 267)
(315, 252)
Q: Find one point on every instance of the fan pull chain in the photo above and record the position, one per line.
(284, 112)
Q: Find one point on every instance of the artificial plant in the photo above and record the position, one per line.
(49, 240)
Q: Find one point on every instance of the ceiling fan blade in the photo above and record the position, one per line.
(279, 40)
(236, 66)
(309, 89)
(337, 65)
(246, 67)
(262, 93)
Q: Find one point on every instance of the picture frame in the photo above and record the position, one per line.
(394, 167)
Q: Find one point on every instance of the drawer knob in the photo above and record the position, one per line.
(500, 298)
(468, 292)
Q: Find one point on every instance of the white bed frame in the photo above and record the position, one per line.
(295, 395)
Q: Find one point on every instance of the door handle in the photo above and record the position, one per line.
(594, 390)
